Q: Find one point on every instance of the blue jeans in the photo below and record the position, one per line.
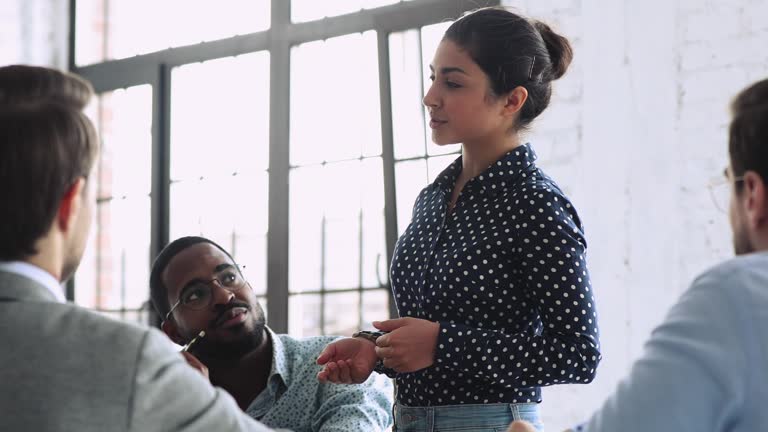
(464, 418)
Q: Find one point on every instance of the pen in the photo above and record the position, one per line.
(195, 339)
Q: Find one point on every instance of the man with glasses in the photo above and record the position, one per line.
(704, 369)
(197, 286)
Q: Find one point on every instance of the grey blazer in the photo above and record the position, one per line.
(64, 368)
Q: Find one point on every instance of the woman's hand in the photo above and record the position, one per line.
(409, 345)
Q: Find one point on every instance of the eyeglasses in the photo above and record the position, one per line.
(720, 189)
(198, 295)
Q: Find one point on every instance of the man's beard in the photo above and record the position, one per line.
(232, 350)
(741, 243)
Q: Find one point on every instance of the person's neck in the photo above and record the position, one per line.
(478, 156)
(255, 365)
(49, 256)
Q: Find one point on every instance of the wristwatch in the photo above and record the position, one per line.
(372, 336)
(367, 335)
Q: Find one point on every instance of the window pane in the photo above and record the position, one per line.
(342, 316)
(328, 205)
(233, 212)
(250, 252)
(124, 118)
(406, 83)
(306, 228)
(375, 307)
(335, 104)
(410, 179)
(430, 38)
(107, 30)
(342, 224)
(309, 10)
(220, 117)
(374, 258)
(436, 165)
(114, 272)
(219, 157)
(304, 317)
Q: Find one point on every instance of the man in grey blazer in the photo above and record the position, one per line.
(64, 368)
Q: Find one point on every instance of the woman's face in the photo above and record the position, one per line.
(461, 107)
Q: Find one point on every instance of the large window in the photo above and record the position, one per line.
(113, 276)
(290, 132)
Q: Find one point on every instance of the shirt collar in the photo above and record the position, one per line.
(280, 370)
(497, 176)
(37, 274)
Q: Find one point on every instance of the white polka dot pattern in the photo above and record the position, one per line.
(505, 275)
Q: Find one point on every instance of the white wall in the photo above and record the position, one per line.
(34, 32)
(636, 130)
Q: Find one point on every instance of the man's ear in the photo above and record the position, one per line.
(514, 100)
(755, 200)
(70, 205)
(170, 329)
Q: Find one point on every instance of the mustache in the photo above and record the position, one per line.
(222, 309)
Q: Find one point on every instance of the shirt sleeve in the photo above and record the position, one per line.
(546, 252)
(693, 373)
(171, 396)
(362, 407)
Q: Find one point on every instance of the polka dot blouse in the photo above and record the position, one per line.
(505, 276)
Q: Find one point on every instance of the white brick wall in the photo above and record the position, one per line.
(635, 131)
(34, 32)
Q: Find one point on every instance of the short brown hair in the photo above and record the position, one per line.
(46, 144)
(748, 142)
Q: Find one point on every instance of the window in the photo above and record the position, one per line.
(110, 30)
(113, 276)
(308, 10)
(337, 238)
(417, 159)
(220, 157)
(290, 132)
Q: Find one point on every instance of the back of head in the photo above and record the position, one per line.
(514, 51)
(748, 143)
(46, 144)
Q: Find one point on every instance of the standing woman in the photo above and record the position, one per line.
(490, 277)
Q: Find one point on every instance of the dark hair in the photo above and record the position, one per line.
(514, 51)
(46, 144)
(748, 142)
(158, 292)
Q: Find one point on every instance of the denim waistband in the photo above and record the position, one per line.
(447, 417)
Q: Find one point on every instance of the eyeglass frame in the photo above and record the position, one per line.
(720, 181)
(210, 287)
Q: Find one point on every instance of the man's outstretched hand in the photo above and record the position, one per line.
(347, 361)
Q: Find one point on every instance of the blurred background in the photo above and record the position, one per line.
(292, 133)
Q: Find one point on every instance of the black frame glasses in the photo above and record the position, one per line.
(198, 295)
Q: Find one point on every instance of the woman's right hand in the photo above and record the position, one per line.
(347, 361)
